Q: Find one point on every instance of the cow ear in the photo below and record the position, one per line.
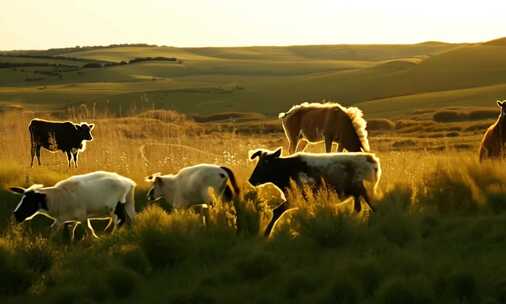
(17, 190)
(91, 126)
(277, 153)
(254, 154)
(500, 103)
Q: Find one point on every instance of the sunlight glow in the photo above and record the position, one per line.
(33, 24)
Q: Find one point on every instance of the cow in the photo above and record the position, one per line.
(492, 144)
(329, 122)
(191, 185)
(79, 199)
(342, 172)
(66, 136)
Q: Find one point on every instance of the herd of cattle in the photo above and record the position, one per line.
(106, 195)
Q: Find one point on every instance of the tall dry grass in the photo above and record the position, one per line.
(437, 236)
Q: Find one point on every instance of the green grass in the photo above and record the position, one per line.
(407, 252)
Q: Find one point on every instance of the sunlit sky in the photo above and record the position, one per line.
(41, 24)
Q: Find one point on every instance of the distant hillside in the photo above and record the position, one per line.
(261, 79)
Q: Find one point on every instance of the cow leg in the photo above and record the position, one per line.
(358, 206)
(301, 145)
(90, 227)
(340, 148)
(37, 153)
(73, 235)
(328, 144)
(366, 196)
(74, 154)
(276, 213)
(292, 144)
(109, 223)
(32, 152)
(69, 156)
(228, 194)
(120, 213)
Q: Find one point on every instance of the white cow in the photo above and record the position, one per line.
(80, 198)
(192, 185)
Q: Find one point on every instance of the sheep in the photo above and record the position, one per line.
(191, 185)
(80, 198)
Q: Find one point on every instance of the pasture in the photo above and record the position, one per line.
(437, 236)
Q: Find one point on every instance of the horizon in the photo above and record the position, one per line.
(224, 23)
(132, 44)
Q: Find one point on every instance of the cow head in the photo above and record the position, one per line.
(31, 202)
(155, 192)
(502, 106)
(84, 130)
(266, 166)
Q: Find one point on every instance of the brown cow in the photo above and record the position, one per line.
(492, 144)
(329, 122)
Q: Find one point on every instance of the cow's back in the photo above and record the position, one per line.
(96, 190)
(315, 122)
(52, 135)
(193, 181)
(340, 168)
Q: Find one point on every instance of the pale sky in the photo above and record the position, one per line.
(42, 24)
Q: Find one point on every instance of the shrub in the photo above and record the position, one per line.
(132, 257)
(15, 277)
(368, 273)
(456, 115)
(462, 285)
(342, 290)
(122, 281)
(165, 238)
(257, 266)
(301, 283)
(450, 189)
(380, 124)
(402, 290)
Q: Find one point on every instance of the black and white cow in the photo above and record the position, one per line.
(79, 199)
(344, 172)
(66, 136)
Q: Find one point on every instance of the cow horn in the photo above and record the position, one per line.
(255, 153)
(17, 190)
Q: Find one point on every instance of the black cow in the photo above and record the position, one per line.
(66, 136)
(344, 172)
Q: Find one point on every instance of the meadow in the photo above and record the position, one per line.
(437, 236)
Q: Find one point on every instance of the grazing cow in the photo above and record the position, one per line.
(329, 122)
(66, 136)
(79, 199)
(343, 172)
(492, 144)
(191, 185)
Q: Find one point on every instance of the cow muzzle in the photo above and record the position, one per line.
(151, 195)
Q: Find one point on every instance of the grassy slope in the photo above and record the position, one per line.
(270, 79)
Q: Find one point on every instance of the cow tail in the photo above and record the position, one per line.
(233, 180)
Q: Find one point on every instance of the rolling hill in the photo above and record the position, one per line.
(386, 80)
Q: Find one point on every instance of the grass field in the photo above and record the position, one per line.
(438, 233)
(437, 236)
